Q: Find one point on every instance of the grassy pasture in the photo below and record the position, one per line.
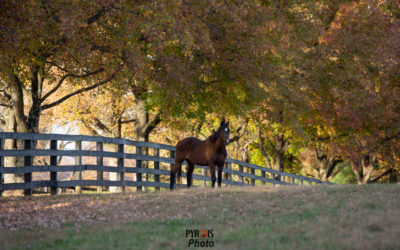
(313, 217)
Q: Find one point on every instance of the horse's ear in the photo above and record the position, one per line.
(223, 121)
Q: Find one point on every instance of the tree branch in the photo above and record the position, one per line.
(5, 99)
(272, 145)
(261, 143)
(262, 149)
(333, 163)
(55, 88)
(128, 121)
(101, 126)
(338, 170)
(320, 139)
(319, 157)
(389, 171)
(65, 77)
(233, 139)
(386, 139)
(210, 82)
(91, 130)
(6, 105)
(57, 66)
(101, 48)
(99, 14)
(152, 124)
(285, 143)
(239, 135)
(196, 130)
(77, 92)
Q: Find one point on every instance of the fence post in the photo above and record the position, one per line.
(301, 182)
(228, 176)
(172, 156)
(253, 180)
(139, 165)
(122, 166)
(77, 175)
(263, 176)
(241, 176)
(28, 163)
(1, 165)
(157, 166)
(53, 163)
(100, 173)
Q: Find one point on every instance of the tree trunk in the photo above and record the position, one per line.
(36, 93)
(16, 121)
(113, 175)
(116, 133)
(363, 168)
(279, 149)
(142, 119)
(393, 177)
(279, 159)
(143, 125)
(18, 104)
(11, 126)
(275, 157)
(326, 165)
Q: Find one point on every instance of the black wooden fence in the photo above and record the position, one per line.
(155, 165)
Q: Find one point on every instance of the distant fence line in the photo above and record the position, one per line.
(235, 171)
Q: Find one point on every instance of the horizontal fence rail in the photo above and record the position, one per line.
(147, 170)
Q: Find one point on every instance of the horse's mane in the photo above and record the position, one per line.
(214, 136)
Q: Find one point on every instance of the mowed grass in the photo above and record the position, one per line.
(314, 217)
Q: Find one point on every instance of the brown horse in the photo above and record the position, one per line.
(211, 152)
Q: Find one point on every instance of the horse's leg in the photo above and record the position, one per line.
(179, 176)
(189, 173)
(220, 168)
(174, 169)
(212, 172)
(172, 177)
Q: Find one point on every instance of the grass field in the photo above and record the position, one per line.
(314, 217)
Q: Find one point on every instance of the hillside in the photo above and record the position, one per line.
(314, 217)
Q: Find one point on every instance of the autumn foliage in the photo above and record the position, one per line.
(311, 86)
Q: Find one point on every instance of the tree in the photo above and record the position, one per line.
(190, 57)
(177, 58)
(354, 85)
(323, 165)
(44, 45)
(105, 111)
(185, 58)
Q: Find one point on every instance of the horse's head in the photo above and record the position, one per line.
(224, 130)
